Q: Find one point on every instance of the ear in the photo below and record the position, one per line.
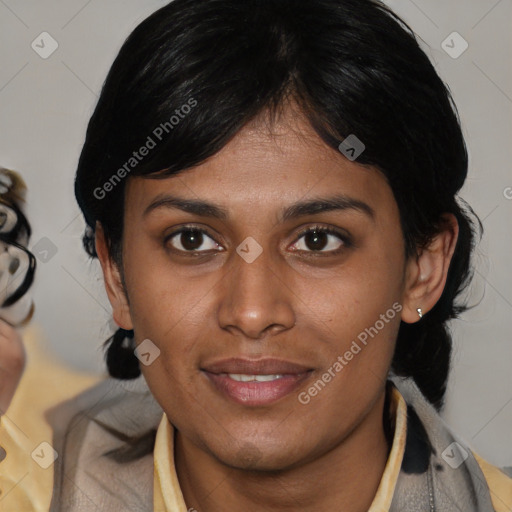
(427, 272)
(113, 282)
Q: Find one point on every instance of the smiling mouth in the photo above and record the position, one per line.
(256, 389)
(255, 382)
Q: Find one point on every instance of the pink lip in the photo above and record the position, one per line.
(256, 393)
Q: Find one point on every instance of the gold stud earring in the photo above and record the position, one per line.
(420, 314)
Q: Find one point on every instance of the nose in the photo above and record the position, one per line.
(255, 300)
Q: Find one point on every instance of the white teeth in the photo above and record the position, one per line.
(240, 377)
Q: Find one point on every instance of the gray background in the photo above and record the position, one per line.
(46, 103)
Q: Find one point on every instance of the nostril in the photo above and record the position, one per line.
(14, 265)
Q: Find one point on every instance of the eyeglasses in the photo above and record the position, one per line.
(13, 223)
(17, 263)
(17, 270)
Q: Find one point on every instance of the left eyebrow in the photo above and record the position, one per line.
(302, 208)
(326, 204)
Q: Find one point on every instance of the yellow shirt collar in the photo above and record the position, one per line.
(169, 498)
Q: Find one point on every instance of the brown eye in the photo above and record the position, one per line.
(321, 240)
(192, 239)
(316, 240)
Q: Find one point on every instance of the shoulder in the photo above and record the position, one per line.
(430, 458)
(499, 483)
(105, 438)
(26, 452)
(68, 437)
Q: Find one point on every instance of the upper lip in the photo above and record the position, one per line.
(266, 366)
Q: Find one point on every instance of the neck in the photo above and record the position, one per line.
(344, 478)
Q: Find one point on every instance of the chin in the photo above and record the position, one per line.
(251, 458)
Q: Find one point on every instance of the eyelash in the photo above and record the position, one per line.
(343, 237)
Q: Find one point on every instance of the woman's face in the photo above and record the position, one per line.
(251, 286)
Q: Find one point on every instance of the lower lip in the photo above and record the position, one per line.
(257, 393)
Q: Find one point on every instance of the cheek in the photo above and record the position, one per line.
(161, 295)
(354, 296)
(359, 343)
(359, 335)
(174, 312)
(357, 312)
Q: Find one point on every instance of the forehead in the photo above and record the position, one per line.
(265, 166)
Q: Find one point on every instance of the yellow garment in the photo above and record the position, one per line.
(24, 485)
(169, 498)
(499, 484)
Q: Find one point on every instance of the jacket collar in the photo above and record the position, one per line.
(439, 472)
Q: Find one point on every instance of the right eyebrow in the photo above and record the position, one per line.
(194, 206)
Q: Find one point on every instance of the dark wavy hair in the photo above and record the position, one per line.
(352, 67)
